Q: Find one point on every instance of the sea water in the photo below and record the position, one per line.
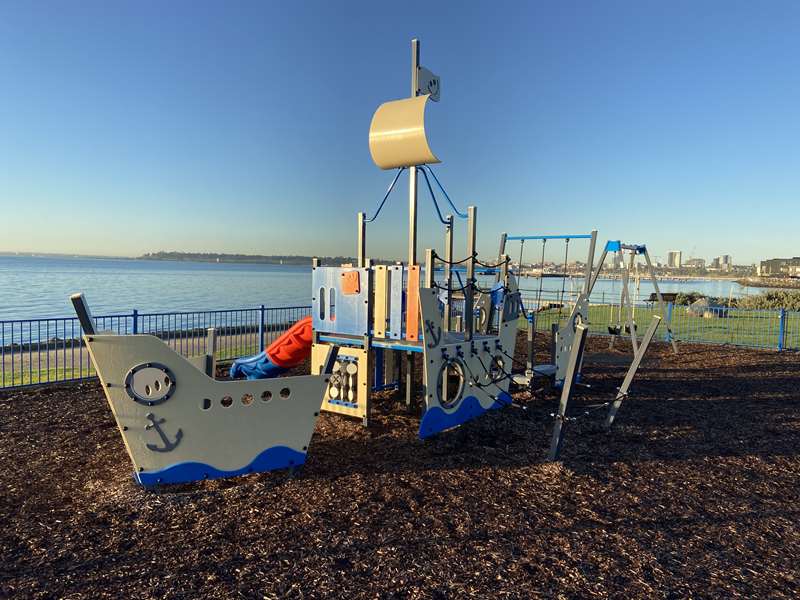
(39, 287)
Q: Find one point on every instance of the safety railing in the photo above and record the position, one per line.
(34, 351)
(776, 329)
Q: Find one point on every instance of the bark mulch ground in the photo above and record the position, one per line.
(695, 493)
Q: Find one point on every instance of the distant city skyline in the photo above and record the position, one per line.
(129, 128)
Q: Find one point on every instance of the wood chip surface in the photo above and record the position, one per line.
(695, 493)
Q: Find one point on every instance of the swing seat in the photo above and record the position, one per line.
(614, 329)
(628, 328)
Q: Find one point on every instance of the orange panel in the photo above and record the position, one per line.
(350, 283)
(412, 304)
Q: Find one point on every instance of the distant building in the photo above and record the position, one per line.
(722, 263)
(780, 267)
(695, 263)
(674, 259)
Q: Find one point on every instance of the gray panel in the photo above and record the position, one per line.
(351, 311)
(395, 329)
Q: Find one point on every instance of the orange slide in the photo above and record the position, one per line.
(288, 351)
(293, 347)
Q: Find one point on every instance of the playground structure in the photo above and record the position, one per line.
(368, 322)
(380, 316)
(180, 424)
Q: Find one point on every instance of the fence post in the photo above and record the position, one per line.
(668, 332)
(135, 316)
(261, 327)
(782, 330)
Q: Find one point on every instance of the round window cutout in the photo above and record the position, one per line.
(226, 401)
(206, 404)
(450, 384)
(247, 399)
(285, 393)
(266, 396)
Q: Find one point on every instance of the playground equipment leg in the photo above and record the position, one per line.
(409, 382)
(661, 305)
(575, 356)
(637, 360)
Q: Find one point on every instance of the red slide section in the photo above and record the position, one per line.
(293, 347)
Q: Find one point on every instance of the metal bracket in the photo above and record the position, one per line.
(428, 83)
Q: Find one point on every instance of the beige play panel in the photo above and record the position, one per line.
(179, 424)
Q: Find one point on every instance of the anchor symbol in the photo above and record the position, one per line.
(436, 336)
(168, 445)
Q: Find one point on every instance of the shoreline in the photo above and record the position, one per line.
(769, 283)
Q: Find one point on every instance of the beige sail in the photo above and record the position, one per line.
(397, 134)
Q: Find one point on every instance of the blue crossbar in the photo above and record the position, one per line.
(580, 236)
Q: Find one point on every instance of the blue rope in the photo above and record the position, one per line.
(433, 197)
(436, 179)
(389, 191)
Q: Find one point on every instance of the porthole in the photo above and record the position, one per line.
(266, 396)
(285, 393)
(226, 401)
(450, 383)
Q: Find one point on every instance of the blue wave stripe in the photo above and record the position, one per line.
(435, 419)
(276, 457)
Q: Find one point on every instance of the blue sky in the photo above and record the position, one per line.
(129, 127)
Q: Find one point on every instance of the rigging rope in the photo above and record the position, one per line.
(433, 197)
(492, 266)
(444, 288)
(386, 196)
(436, 179)
(451, 262)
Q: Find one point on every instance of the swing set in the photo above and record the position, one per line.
(563, 334)
(569, 338)
(627, 255)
